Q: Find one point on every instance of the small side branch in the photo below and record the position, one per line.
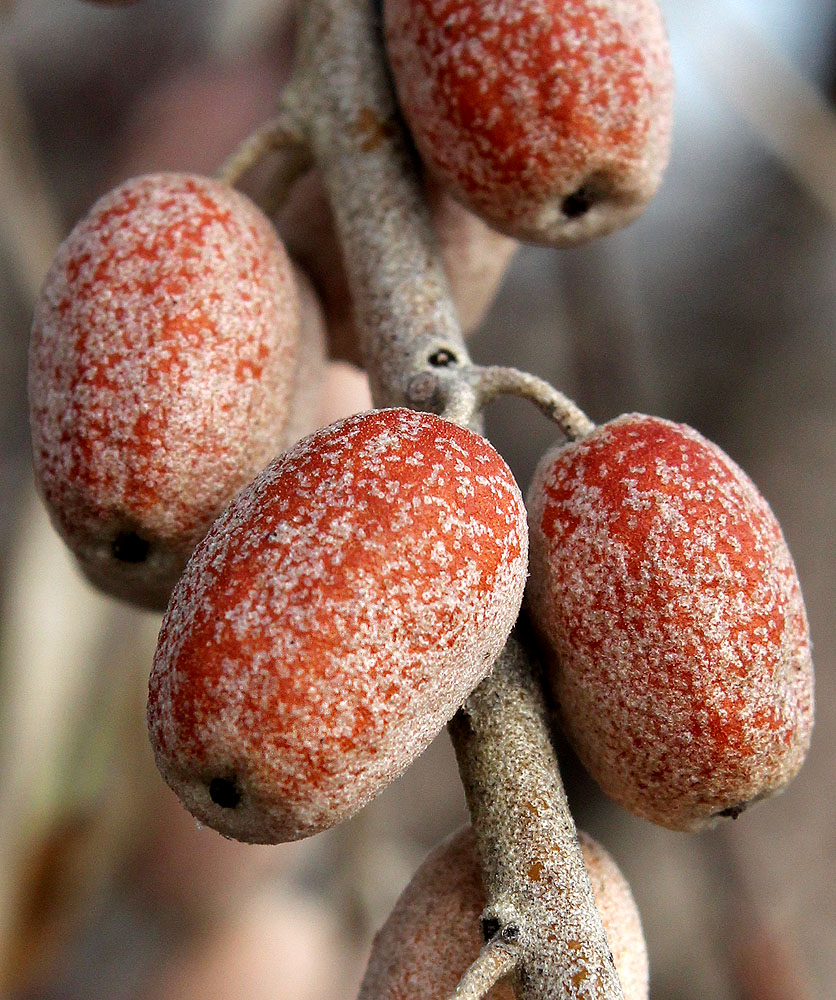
(282, 135)
(497, 381)
(476, 387)
(496, 961)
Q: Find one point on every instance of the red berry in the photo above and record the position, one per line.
(665, 590)
(550, 118)
(161, 363)
(334, 618)
(433, 934)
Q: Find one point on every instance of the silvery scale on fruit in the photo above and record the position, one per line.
(335, 596)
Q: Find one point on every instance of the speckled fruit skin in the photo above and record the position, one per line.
(160, 369)
(433, 934)
(664, 588)
(334, 618)
(549, 118)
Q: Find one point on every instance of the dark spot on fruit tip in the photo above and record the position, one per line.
(733, 811)
(442, 358)
(224, 793)
(578, 203)
(128, 547)
(490, 928)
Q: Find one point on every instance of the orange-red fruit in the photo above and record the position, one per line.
(334, 618)
(549, 118)
(663, 585)
(433, 934)
(161, 364)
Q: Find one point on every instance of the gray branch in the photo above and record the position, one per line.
(540, 898)
(539, 894)
(402, 301)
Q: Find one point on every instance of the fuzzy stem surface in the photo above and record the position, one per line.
(496, 961)
(399, 288)
(473, 387)
(415, 356)
(282, 135)
(539, 895)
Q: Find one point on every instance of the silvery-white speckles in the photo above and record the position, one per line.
(433, 934)
(517, 106)
(355, 621)
(662, 582)
(161, 365)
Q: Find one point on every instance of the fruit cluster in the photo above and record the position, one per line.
(335, 604)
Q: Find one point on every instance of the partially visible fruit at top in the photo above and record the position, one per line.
(549, 118)
(663, 587)
(160, 369)
(335, 617)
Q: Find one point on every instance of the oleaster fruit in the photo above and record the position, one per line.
(549, 118)
(433, 934)
(161, 365)
(333, 620)
(662, 584)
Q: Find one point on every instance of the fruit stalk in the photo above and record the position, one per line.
(496, 961)
(283, 135)
(540, 901)
(401, 296)
(415, 356)
(488, 383)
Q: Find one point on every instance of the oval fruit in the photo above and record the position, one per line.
(160, 370)
(549, 119)
(663, 586)
(333, 620)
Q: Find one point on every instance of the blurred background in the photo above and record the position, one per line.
(716, 308)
